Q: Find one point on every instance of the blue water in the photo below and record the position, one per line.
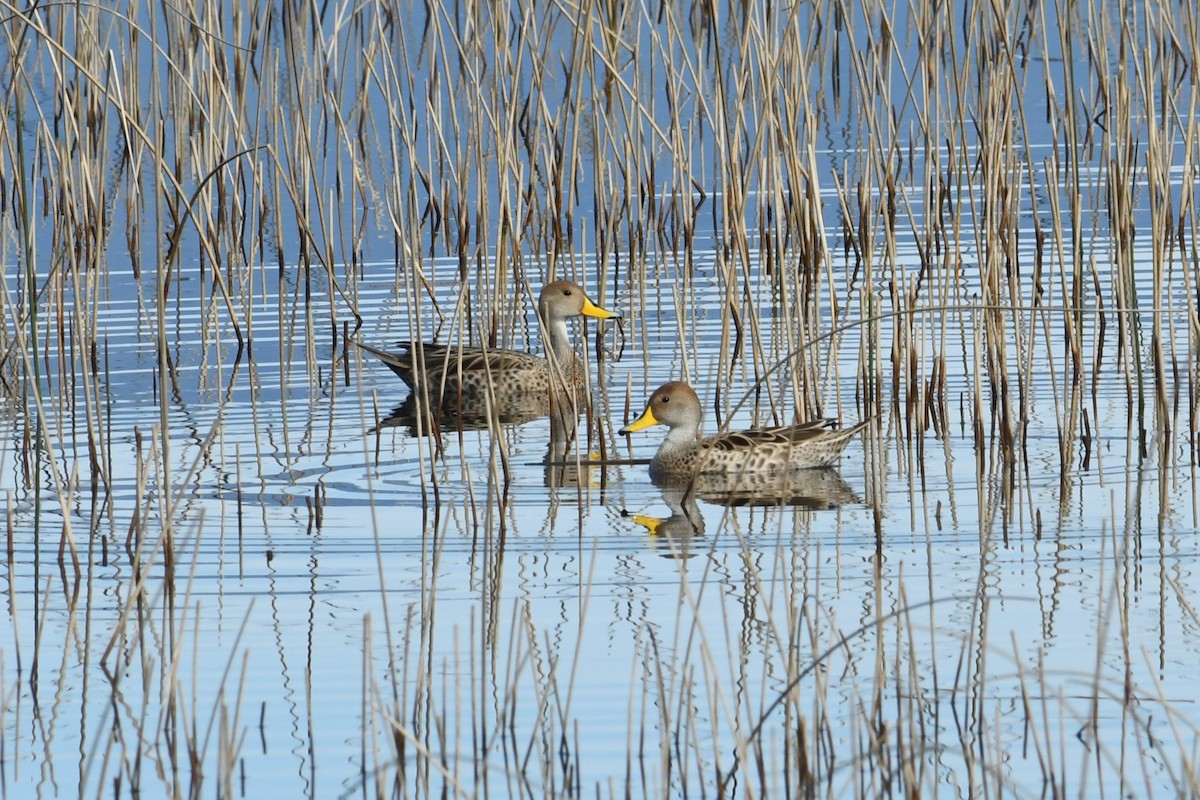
(337, 587)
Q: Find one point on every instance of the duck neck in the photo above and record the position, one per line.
(678, 438)
(558, 344)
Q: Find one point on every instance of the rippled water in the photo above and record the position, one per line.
(344, 608)
(310, 543)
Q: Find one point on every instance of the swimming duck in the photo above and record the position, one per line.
(463, 376)
(759, 450)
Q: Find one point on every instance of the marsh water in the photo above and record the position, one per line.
(233, 571)
(311, 541)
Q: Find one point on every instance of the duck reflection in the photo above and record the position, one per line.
(419, 418)
(677, 535)
(565, 467)
(575, 471)
(812, 489)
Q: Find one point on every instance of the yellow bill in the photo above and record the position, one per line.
(590, 309)
(646, 420)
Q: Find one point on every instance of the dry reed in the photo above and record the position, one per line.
(865, 189)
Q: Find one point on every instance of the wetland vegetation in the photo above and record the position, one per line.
(238, 563)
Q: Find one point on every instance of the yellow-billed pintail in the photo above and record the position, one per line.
(804, 445)
(460, 378)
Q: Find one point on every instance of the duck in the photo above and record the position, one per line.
(467, 380)
(757, 451)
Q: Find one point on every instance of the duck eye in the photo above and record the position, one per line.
(666, 399)
(566, 292)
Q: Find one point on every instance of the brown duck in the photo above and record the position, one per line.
(805, 445)
(466, 380)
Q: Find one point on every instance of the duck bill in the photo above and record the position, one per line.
(646, 420)
(590, 309)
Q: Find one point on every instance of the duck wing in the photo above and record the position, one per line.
(782, 436)
(436, 360)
